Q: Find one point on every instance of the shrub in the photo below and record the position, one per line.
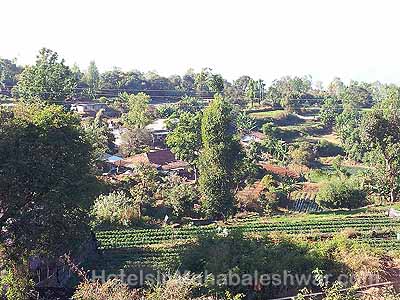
(341, 194)
(115, 208)
(181, 198)
(302, 153)
(326, 148)
(110, 290)
(269, 130)
(176, 287)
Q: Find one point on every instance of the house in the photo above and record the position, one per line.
(252, 136)
(280, 171)
(111, 163)
(90, 109)
(163, 160)
(159, 131)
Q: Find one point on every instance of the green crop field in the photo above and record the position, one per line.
(159, 248)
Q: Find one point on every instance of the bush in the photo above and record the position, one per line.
(302, 154)
(326, 148)
(115, 208)
(269, 130)
(181, 198)
(110, 290)
(341, 194)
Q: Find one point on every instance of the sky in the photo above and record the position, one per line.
(268, 39)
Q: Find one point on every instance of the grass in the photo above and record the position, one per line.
(267, 114)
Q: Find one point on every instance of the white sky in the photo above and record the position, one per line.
(266, 39)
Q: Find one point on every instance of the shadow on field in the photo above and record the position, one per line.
(260, 255)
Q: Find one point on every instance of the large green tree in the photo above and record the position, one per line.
(45, 164)
(49, 79)
(138, 115)
(92, 79)
(185, 139)
(288, 90)
(380, 131)
(218, 159)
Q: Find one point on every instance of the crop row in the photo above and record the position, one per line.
(132, 238)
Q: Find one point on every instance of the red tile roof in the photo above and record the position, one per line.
(159, 158)
(281, 171)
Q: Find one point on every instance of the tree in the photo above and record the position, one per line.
(201, 80)
(49, 79)
(8, 73)
(355, 95)
(115, 208)
(260, 90)
(336, 88)
(217, 159)
(287, 90)
(99, 136)
(185, 139)
(138, 115)
(301, 153)
(188, 105)
(145, 184)
(215, 83)
(251, 91)
(244, 122)
(92, 79)
(380, 131)
(135, 140)
(181, 198)
(341, 194)
(348, 130)
(45, 165)
(330, 109)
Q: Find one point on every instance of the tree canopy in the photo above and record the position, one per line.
(49, 79)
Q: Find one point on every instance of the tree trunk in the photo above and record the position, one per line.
(392, 195)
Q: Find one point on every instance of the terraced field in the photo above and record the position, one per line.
(158, 248)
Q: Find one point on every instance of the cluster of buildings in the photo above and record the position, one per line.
(159, 157)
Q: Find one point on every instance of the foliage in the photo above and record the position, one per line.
(166, 110)
(244, 123)
(99, 136)
(112, 289)
(355, 95)
(115, 208)
(269, 130)
(251, 91)
(38, 207)
(188, 105)
(181, 198)
(276, 148)
(135, 140)
(330, 109)
(176, 287)
(8, 73)
(217, 159)
(185, 140)
(341, 194)
(215, 83)
(49, 79)
(145, 185)
(302, 153)
(380, 130)
(92, 79)
(17, 282)
(138, 115)
(347, 127)
(287, 90)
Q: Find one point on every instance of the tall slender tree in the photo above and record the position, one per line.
(218, 159)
